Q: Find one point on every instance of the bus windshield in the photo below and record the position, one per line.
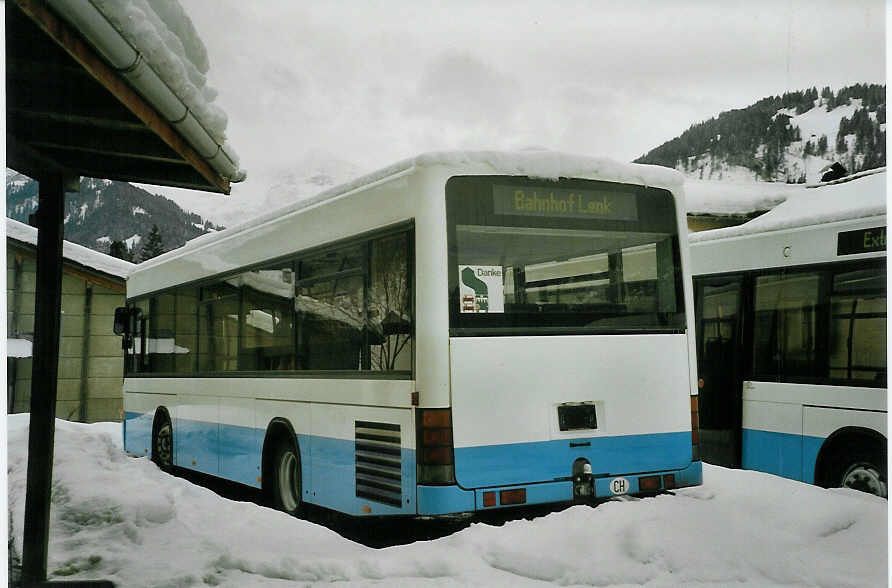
(573, 256)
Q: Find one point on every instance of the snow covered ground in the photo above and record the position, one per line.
(122, 519)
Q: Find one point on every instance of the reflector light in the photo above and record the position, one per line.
(517, 496)
(649, 483)
(434, 449)
(695, 427)
(489, 499)
(669, 481)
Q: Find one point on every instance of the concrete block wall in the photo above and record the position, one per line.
(92, 396)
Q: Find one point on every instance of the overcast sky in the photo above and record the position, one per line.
(377, 81)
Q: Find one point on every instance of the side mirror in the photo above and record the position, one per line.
(125, 319)
(122, 320)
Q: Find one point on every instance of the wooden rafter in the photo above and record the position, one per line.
(71, 42)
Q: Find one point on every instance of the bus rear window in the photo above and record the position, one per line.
(537, 256)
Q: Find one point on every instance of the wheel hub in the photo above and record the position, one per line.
(287, 475)
(866, 479)
(164, 445)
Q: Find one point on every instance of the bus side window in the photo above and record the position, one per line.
(218, 326)
(329, 304)
(389, 316)
(858, 326)
(786, 329)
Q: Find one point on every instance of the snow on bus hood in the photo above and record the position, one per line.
(122, 519)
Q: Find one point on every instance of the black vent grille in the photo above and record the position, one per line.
(379, 463)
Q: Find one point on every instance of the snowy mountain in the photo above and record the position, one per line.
(105, 211)
(787, 138)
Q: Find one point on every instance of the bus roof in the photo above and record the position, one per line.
(862, 197)
(532, 163)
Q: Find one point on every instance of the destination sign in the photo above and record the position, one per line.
(861, 241)
(564, 202)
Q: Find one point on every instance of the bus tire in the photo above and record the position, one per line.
(162, 440)
(862, 470)
(285, 483)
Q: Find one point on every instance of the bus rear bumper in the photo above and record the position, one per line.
(650, 482)
(442, 500)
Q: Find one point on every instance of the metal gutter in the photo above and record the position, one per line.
(129, 63)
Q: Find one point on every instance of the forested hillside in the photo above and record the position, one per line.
(106, 213)
(787, 138)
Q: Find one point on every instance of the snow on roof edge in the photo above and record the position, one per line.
(85, 256)
(533, 163)
(827, 203)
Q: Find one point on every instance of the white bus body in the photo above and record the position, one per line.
(791, 334)
(466, 417)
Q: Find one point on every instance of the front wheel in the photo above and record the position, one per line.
(866, 477)
(286, 479)
(162, 441)
(859, 469)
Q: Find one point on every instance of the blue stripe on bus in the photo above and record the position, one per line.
(503, 465)
(437, 500)
(328, 465)
(783, 454)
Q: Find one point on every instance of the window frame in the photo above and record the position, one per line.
(364, 240)
(486, 325)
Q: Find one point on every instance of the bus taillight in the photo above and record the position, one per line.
(695, 428)
(434, 452)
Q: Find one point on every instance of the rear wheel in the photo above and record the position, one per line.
(860, 470)
(162, 440)
(286, 487)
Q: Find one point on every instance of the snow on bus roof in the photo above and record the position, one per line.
(861, 197)
(727, 198)
(533, 163)
(72, 251)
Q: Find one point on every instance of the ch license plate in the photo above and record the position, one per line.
(619, 486)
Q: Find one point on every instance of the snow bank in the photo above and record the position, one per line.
(825, 203)
(72, 251)
(122, 519)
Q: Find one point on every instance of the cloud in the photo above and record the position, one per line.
(461, 88)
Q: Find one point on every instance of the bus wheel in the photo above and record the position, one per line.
(162, 440)
(286, 479)
(866, 477)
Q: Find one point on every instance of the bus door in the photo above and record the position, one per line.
(719, 367)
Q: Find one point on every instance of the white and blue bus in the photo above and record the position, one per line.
(456, 333)
(791, 337)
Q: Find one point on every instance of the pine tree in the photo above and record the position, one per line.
(822, 145)
(154, 245)
(119, 249)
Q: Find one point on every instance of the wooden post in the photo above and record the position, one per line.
(45, 367)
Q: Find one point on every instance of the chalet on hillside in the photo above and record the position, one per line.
(91, 361)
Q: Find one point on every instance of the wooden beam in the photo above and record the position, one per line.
(64, 135)
(29, 161)
(125, 169)
(45, 367)
(66, 38)
(87, 120)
